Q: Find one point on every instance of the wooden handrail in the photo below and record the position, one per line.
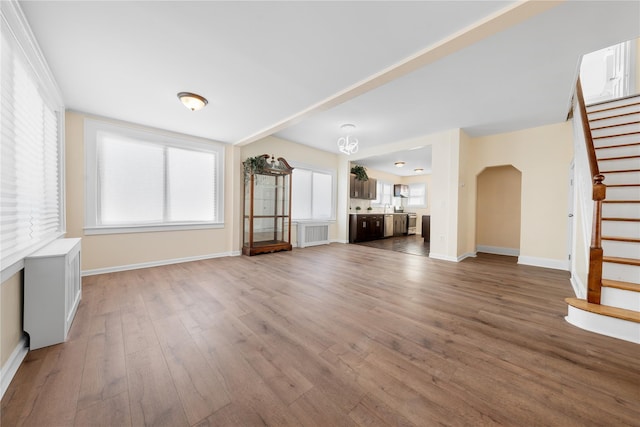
(591, 151)
(594, 279)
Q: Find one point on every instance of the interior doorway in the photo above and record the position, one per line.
(498, 210)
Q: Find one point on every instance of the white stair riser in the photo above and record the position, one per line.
(605, 325)
(615, 120)
(621, 110)
(622, 178)
(633, 99)
(623, 193)
(628, 229)
(629, 150)
(621, 210)
(620, 298)
(621, 249)
(617, 130)
(618, 140)
(621, 272)
(619, 164)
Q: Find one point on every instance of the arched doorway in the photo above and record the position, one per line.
(498, 209)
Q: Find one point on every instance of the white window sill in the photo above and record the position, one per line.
(88, 231)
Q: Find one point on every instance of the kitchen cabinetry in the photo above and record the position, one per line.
(399, 225)
(52, 292)
(365, 227)
(363, 189)
(426, 228)
(267, 207)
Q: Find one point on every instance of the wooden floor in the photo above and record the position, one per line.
(414, 244)
(339, 335)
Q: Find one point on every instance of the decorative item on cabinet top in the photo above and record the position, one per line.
(263, 165)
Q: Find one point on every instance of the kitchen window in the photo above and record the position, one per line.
(417, 195)
(384, 194)
(145, 180)
(312, 194)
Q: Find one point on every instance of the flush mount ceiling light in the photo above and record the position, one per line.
(348, 144)
(418, 170)
(192, 101)
(399, 164)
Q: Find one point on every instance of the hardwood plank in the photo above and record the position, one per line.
(112, 412)
(153, 397)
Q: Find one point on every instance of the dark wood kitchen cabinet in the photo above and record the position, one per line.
(363, 189)
(399, 225)
(365, 227)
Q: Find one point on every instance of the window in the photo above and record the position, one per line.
(384, 194)
(312, 195)
(417, 195)
(31, 197)
(141, 180)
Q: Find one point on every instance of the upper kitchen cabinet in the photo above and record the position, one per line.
(363, 189)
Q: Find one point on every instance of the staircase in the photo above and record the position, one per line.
(615, 131)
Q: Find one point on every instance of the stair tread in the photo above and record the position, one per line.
(604, 310)
(623, 185)
(629, 144)
(614, 116)
(621, 219)
(626, 286)
(621, 171)
(621, 201)
(621, 260)
(616, 135)
(630, 104)
(618, 158)
(615, 125)
(621, 239)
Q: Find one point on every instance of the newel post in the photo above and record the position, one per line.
(594, 284)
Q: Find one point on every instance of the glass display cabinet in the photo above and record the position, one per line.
(267, 205)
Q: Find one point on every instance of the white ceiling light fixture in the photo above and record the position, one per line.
(192, 101)
(348, 144)
(399, 164)
(418, 170)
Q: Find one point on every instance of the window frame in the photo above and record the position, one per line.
(152, 136)
(330, 172)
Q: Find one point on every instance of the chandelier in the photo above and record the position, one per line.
(348, 144)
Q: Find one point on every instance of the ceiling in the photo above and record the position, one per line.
(299, 70)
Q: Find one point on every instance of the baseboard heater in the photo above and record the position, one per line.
(313, 234)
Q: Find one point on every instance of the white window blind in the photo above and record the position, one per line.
(30, 191)
(417, 195)
(384, 194)
(142, 178)
(312, 195)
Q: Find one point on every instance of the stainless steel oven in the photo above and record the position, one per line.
(411, 223)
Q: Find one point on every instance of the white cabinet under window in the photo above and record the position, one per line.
(52, 292)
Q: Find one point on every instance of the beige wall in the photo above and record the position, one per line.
(10, 316)
(543, 155)
(109, 251)
(498, 207)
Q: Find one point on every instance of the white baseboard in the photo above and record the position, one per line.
(443, 257)
(544, 262)
(496, 250)
(467, 255)
(578, 286)
(339, 241)
(157, 263)
(8, 371)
